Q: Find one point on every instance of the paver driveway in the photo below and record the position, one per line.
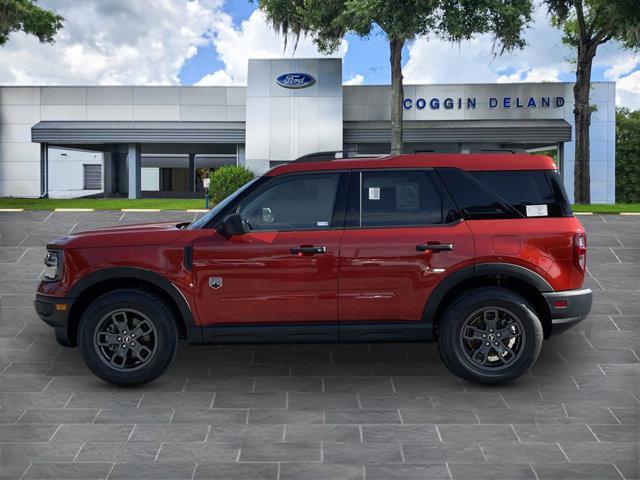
(382, 411)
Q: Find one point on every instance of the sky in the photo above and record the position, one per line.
(208, 42)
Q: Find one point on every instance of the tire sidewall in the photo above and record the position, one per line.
(449, 339)
(155, 311)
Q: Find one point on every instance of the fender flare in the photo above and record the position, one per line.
(477, 271)
(149, 276)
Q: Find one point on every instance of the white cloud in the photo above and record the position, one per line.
(531, 75)
(114, 42)
(253, 39)
(219, 77)
(432, 60)
(623, 64)
(628, 91)
(357, 79)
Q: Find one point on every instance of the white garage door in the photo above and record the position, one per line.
(92, 177)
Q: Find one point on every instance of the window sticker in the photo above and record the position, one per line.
(374, 193)
(323, 224)
(537, 211)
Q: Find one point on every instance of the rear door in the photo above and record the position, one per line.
(401, 238)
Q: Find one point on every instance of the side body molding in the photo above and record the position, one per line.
(477, 271)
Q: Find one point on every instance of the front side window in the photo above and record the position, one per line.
(300, 202)
(398, 198)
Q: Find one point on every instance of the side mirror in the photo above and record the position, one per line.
(232, 225)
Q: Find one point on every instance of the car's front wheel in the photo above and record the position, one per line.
(128, 337)
(490, 335)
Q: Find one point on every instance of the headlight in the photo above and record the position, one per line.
(53, 263)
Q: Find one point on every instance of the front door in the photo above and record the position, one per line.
(285, 269)
(400, 240)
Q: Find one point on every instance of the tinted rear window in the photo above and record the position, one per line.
(507, 194)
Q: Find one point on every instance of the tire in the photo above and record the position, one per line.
(484, 359)
(150, 346)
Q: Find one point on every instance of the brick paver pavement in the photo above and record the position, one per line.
(377, 411)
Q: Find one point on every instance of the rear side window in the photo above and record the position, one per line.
(395, 198)
(507, 194)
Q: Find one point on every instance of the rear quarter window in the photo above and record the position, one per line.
(507, 194)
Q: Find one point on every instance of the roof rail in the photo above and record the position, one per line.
(336, 155)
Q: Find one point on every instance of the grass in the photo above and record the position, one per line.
(102, 203)
(198, 203)
(608, 208)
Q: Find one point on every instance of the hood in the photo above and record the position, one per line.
(123, 236)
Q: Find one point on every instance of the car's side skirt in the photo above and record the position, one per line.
(316, 333)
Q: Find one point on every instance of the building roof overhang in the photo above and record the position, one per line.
(473, 131)
(89, 132)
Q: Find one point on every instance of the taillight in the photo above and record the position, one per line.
(580, 251)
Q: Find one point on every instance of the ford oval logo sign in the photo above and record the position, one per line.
(295, 80)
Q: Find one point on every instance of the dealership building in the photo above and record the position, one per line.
(148, 141)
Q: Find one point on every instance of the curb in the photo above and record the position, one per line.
(74, 210)
(141, 210)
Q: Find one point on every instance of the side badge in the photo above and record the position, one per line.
(215, 282)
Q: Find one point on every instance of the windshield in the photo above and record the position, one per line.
(203, 220)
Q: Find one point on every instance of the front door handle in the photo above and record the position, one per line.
(308, 250)
(434, 247)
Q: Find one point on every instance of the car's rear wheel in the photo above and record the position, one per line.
(490, 335)
(128, 337)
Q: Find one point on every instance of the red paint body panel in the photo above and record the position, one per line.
(263, 281)
(546, 247)
(469, 162)
(155, 247)
(384, 277)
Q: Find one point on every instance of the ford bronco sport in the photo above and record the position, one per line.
(479, 252)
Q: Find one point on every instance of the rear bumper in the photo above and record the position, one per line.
(51, 311)
(578, 305)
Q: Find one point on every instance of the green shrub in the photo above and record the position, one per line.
(627, 156)
(226, 180)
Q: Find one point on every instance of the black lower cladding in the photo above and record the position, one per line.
(568, 308)
(58, 319)
(319, 333)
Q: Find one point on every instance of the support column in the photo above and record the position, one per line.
(107, 173)
(192, 172)
(44, 170)
(561, 158)
(134, 164)
(240, 155)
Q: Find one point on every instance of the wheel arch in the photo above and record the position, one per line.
(519, 279)
(91, 286)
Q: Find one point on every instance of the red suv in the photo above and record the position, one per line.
(479, 252)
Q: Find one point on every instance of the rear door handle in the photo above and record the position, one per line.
(434, 247)
(308, 250)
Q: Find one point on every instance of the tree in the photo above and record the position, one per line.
(28, 17)
(587, 24)
(627, 156)
(328, 21)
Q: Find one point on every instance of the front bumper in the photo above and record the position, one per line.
(54, 311)
(568, 308)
